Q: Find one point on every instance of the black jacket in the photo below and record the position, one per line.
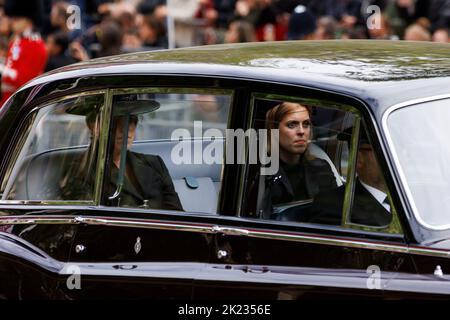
(366, 210)
(318, 177)
(154, 183)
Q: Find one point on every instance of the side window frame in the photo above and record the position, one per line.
(395, 227)
(155, 90)
(13, 153)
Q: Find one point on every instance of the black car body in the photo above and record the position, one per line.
(92, 246)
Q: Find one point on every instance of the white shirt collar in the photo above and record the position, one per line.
(378, 195)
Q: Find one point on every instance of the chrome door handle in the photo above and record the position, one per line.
(230, 231)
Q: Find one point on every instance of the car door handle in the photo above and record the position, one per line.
(230, 231)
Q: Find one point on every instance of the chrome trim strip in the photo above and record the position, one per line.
(105, 116)
(213, 229)
(396, 160)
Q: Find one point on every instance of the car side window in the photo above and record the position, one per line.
(166, 149)
(314, 171)
(54, 158)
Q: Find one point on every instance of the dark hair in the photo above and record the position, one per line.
(61, 39)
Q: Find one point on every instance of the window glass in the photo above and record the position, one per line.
(172, 155)
(314, 170)
(420, 138)
(55, 156)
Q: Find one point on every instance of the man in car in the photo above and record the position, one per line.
(370, 204)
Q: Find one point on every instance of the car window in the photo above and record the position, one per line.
(311, 170)
(166, 150)
(422, 153)
(54, 157)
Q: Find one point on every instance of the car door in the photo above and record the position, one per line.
(88, 233)
(152, 234)
(281, 254)
(38, 222)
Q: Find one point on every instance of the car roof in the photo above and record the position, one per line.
(382, 73)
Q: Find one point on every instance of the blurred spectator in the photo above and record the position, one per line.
(400, 14)
(436, 11)
(27, 55)
(152, 33)
(225, 11)
(78, 52)
(353, 33)
(302, 24)
(110, 38)
(59, 16)
(347, 12)
(416, 32)
(131, 41)
(57, 45)
(240, 31)
(327, 28)
(441, 35)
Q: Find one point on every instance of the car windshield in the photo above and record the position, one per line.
(420, 136)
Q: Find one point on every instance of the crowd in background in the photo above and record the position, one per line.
(112, 27)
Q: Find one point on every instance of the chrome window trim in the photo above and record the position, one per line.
(214, 228)
(395, 158)
(181, 90)
(94, 201)
(360, 122)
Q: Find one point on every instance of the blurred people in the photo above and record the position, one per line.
(59, 16)
(437, 12)
(152, 33)
(400, 14)
(441, 35)
(27, 54)
(327, 28)
(57, 45)
(131, 40)
(302, 24)
(383, 30)
(416, 32)
(110, 38)
(240, 31)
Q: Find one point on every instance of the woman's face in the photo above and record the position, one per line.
(295, 131)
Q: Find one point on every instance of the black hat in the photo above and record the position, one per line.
(134, 104)
(301, 23)
(32, 9)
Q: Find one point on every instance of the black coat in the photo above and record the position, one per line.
(318, 177)
(327, 208)
(154, 183)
